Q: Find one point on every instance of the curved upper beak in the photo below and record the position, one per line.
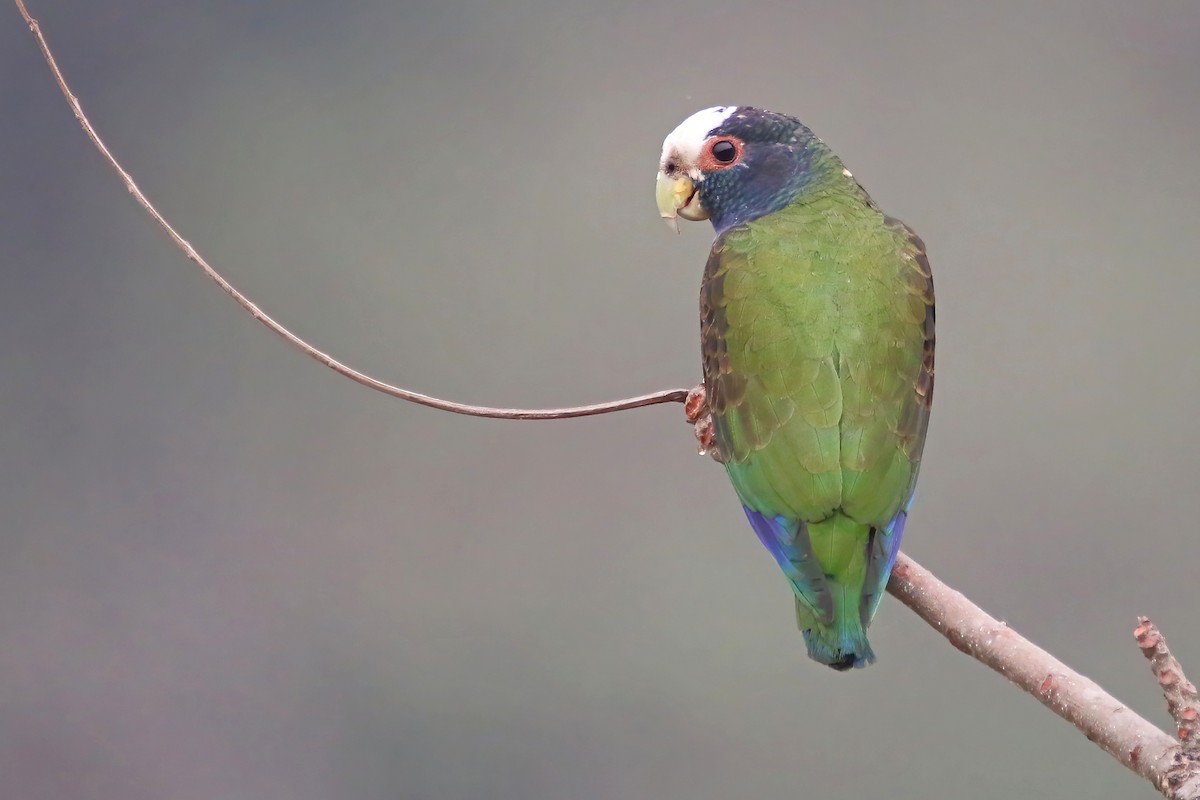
(677, 197)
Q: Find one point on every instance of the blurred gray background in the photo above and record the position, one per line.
(227, 573)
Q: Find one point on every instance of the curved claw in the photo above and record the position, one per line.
(695, 408)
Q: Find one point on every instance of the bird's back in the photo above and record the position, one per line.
(817, 326)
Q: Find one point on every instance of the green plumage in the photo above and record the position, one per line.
(817, 326)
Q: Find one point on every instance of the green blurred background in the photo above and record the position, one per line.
(227, 573)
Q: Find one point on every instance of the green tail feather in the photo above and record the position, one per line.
(843, 643)
(840, 544)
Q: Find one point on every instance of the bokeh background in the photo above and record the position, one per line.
(226, 572)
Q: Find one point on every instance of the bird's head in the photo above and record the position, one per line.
(733, 164)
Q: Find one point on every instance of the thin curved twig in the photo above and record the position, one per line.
(1134, 742)
(666, 396)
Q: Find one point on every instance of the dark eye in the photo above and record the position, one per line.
(724, 151)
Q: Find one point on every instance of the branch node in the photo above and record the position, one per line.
(1183, 703)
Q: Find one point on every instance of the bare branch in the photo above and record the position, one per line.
(1134, 742)
(666, 396)
(1180, 693)
(1116, 728)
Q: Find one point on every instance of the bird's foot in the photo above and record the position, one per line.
(695, 408)
(696, 404)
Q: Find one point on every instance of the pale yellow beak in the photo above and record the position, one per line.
(677, 197)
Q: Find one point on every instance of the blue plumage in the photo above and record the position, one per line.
(787, 540)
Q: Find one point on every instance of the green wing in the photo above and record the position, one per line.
(817, 329)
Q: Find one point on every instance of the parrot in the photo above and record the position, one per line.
(817, 343)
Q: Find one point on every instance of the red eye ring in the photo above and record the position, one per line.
(721, 152)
